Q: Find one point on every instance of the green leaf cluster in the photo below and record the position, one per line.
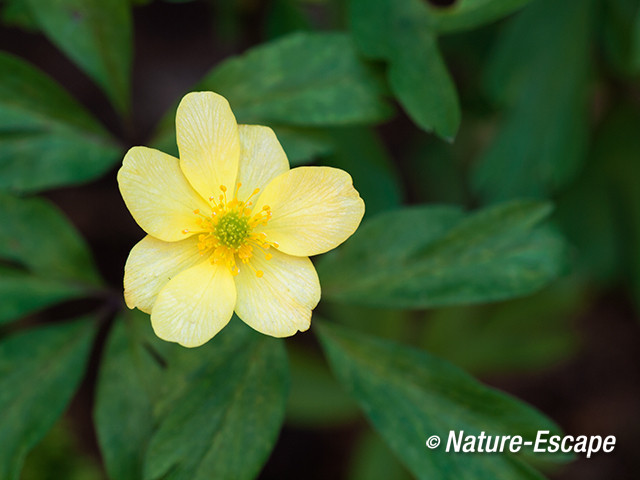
(405, 34)
(546, 127)
(429, 396)
(40, 270)
(215, 412)
(39, 372)
(96, 35)
(474, 230)
(46, 138)
(435, 256)
(279, 84)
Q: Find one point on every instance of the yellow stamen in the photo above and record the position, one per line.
(255, 192)
(229, 237)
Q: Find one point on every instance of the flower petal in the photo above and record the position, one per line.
(158, 195)
(150, 266)
(194, 305)
(314, 210)
(207, 136)
(261, 158)
(280, 302)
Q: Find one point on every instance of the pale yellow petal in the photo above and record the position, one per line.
(280, 302)
(314, 210)
(150, 266)
(261, 158)
(207, 136)
(158, 195)
(194, 305)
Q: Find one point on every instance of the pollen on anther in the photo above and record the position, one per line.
(223, 188)
(259, 273)
(196, 211)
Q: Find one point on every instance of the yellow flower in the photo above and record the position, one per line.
(230, 227)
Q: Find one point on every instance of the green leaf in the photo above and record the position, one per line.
(22, 293)
(542, 142)
(60, 456)
(398, 31)
(280, 82)
(404, 34)
(434, 256)
(636, 42)
(527, 334)
(618, 150)
(46, 138)
(47, 261)
(303, 145)
(223, 418)
(285, 16)
(163, 411)
(419, 78)
(97, 36)
(16, 13)
(468, 14)
(124, 407)
(607, 239)
(37, 235)
(40, 370)
(359, 151)
(596, 237)
(409, 395)
(620, 26)
(280, 85)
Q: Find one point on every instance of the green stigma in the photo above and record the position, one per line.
(232, 230)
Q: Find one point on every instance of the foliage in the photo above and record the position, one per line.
(546, 124)
(97, 37)
(47, 139)
(39, 371)
(428, 396)
(500, 231)
(433, 256)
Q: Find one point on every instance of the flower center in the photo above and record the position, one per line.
(232, 230)
(229, 231)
